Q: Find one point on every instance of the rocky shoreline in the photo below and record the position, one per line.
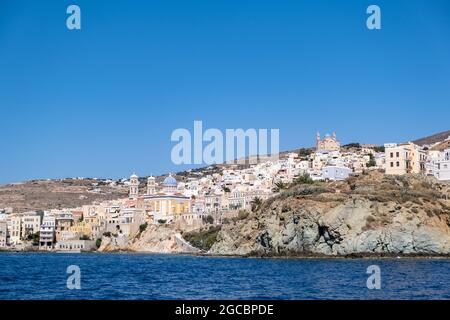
(370, 216)
(280, 257)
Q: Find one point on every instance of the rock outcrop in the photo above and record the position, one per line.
(369, 214)
(155, 239)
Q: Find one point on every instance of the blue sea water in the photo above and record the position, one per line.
(150, 277)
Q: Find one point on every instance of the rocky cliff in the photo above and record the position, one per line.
(368, 214)
(155, 239)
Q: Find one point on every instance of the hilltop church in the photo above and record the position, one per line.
(329, 143)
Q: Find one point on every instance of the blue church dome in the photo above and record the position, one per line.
(170, 182)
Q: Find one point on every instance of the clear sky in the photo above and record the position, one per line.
(104, 100)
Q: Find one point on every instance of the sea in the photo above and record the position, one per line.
(50, 276)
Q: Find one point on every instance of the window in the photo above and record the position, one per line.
(398, 164)
(392, 164)
(398, 154)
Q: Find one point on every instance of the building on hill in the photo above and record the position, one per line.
(441, 146)
(329, 143)
(438, 164)
(404, 158)
(336, 173)
(126, 223)
(161, 204)
(167, 204)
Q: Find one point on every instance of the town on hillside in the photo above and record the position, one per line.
(210, 197)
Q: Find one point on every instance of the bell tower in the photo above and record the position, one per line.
(318, 141)
(151, 185)
(134, 187)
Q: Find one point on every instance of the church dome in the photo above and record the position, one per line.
(170, 181)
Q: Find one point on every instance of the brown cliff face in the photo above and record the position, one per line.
(368, 214)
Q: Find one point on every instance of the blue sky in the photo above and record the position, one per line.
(103, 101)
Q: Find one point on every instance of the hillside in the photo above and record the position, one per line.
(54, 194)
(69, 193)
(369, 214)
(439, 137)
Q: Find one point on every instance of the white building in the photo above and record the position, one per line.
(47, 233)
(236, 200)
(75, 245)
(3, 234)
(335, 173)
(439, 166)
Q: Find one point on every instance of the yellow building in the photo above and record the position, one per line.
(404, 158)
(81, 228)
(166, 204)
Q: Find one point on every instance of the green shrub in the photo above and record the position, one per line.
(209, 219)
(372, 162)
(303, 152)
(352, 145)
(379, 149)
(203, 239)
(303, 179)
(309, 191)
(34, 238)
(256, 204)
(280, 186)
(143, 227)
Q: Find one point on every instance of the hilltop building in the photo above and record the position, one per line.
(329, 143)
